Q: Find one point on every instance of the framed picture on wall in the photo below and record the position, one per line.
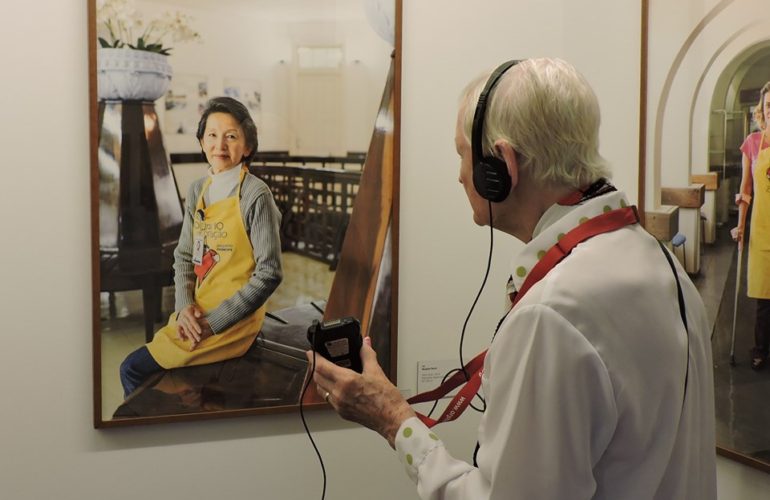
(249, 92)
(703, 67)
(184, 102)
(339, 215)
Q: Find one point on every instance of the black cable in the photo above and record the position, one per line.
(446, 376)
(304, 424)
(435, 403)
(473, 306)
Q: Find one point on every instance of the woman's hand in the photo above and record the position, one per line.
(369, 398)
(206, 332)
(737, 233)
(192, 325)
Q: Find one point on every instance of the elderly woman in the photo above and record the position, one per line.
(755, 188)
(227, 262)
(586, 380)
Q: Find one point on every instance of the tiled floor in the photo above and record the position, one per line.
(304, 280)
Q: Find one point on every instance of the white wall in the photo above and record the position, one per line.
(49, 449)
(254, 42)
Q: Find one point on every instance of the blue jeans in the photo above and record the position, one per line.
(136, 368)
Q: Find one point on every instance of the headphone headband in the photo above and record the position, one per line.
(481, 108)
(490, 175)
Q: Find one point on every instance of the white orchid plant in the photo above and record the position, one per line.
(121, 25)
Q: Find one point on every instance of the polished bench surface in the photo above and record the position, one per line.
(271, 373)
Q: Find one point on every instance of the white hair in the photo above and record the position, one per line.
(550, 115)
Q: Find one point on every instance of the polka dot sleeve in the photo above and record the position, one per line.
(414, 442)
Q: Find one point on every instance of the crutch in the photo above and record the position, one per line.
(735, 302)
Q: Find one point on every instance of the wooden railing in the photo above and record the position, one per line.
(315, 199)
(353, 160)
(315, 204)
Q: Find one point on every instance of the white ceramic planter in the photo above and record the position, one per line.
(131, 75)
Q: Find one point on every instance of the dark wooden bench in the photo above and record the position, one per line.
(271, 373)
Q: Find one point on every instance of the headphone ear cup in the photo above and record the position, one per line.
(491, 179)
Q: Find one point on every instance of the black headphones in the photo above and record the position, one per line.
(490, 174)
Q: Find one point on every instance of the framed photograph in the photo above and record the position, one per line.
(703, 66)
(184, 102)
(339, 212)
(249, 92)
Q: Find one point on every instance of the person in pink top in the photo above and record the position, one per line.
(755, 188)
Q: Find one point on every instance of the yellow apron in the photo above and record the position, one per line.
(226, 265)
(758, 280)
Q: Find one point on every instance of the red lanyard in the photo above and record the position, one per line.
(604, 223)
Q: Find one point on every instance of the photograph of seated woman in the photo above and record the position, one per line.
(228, 260)
(755, 192)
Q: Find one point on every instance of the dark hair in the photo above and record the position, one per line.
(761, 107)
(238, 111)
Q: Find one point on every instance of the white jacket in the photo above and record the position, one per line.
(585, 380)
